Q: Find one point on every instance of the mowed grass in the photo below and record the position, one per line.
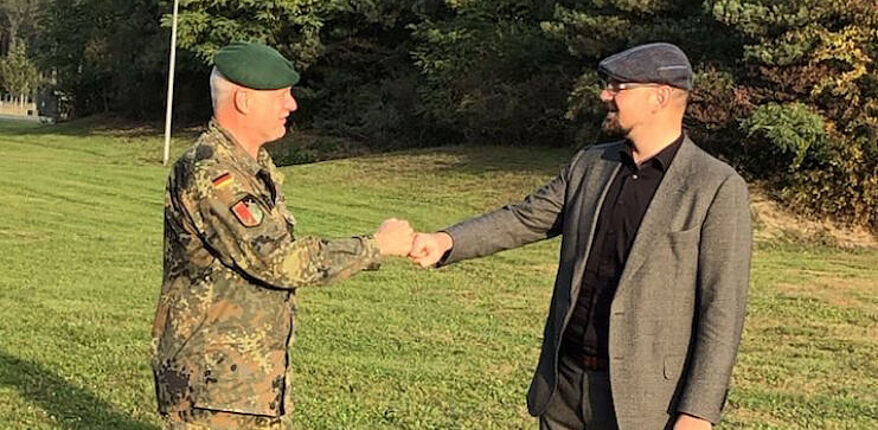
(81, 231)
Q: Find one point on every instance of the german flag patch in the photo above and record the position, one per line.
(248, 212)
(223, 181)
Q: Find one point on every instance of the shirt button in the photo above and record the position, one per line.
(634, 176)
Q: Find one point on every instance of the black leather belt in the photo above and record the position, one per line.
(589, 362)
(594, 363)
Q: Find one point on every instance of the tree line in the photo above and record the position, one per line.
(787, 90)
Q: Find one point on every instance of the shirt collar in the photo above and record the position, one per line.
(662, 160)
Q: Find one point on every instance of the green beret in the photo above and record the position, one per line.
(254, 65)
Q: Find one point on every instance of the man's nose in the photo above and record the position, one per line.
(290, 103)
(606, 95)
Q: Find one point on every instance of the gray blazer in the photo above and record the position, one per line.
(677, 316)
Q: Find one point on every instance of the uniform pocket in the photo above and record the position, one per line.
(245, 384)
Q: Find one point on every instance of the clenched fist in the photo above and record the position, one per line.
(687, 422)
(428, 248)
(394, 237)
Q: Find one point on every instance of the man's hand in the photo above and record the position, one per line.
(428, 248)
(688, 422)
(394, 237)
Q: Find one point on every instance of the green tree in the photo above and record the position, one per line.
(364, 84)
(358, 78)
(820, 54)
(18, 73)
(491, 74)
(291, 25)
(111, 56)
(18, 19)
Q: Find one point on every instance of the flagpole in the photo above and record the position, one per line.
(171, 85)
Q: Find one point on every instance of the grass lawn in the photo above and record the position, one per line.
(81, 231)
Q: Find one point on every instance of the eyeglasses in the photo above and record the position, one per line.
(614, 88)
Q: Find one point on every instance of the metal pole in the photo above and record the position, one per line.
(171, 85)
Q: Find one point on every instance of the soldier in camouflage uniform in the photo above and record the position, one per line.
(232, 262)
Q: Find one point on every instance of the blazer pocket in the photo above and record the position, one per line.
(682, 256)
(673, 365)
(684, 236)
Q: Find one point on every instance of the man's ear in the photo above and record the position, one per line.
(660, 99)
(664, 96)
(242, 101)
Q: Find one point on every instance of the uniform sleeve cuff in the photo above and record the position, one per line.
(373, 253)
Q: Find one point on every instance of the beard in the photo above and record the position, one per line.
(611, 127)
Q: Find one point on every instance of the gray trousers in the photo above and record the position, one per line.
(582, 400)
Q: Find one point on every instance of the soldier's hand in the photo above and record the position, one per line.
(395, 237)
(428, 248)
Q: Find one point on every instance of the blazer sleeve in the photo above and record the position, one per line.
(539, 216)
(721, 297)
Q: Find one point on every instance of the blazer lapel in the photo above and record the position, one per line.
(594, 188)
(663, 204)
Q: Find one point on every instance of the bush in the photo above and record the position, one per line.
(786, 134)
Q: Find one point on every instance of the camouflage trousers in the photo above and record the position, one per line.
(204, 419)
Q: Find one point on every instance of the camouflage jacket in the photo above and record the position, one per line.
(232, 264)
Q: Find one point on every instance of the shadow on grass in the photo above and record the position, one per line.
(303, 147)
(102, 125)
(478, 159)
(71, 406)
(531, 159)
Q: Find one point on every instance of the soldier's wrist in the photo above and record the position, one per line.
(373, 251)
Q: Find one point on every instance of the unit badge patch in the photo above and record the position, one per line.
(248, 212)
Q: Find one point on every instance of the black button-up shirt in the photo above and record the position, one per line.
(620, 216)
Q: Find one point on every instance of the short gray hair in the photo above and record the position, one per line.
(220, 88)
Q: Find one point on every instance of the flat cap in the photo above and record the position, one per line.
(256, 66)
(658, 63)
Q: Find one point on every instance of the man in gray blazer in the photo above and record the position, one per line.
(649, 299)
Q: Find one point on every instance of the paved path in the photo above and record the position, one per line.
(43, 119)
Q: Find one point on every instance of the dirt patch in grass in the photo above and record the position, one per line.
(774, 223)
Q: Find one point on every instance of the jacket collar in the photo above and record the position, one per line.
(237, 152)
